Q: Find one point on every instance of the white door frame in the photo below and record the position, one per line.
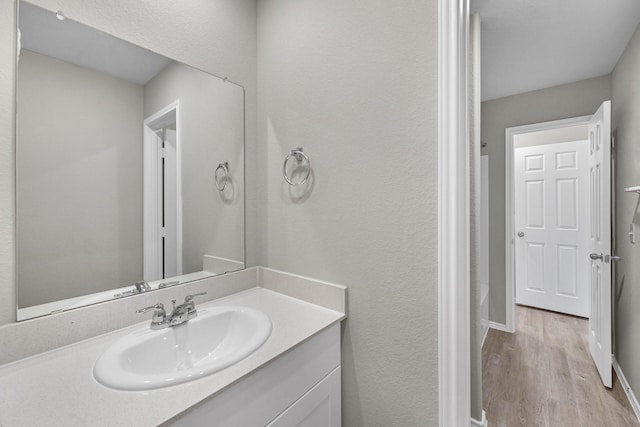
(150, 193)
(454, 385)
(509, 197)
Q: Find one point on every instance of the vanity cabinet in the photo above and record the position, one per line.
(299, 388)
(319, 407)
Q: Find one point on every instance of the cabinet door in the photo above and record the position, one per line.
(319, 407)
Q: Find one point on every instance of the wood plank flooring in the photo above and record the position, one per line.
(543, 375)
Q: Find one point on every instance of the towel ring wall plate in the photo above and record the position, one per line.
(221, 178)
(300, 157)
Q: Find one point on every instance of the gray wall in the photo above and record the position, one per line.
(212, 126)
(560, 102)
(355, 84)
(216, 36)
(76, 237)
(625, 88)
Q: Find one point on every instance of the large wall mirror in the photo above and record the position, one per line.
(129, 168)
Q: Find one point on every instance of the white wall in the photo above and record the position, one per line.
(625, 88)
(212, 132)
(216, 36)
(76, 237)
(355, 84)
(560, 102)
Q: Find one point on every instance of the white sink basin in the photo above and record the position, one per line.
(217, 338)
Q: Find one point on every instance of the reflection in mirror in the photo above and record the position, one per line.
(116, 153)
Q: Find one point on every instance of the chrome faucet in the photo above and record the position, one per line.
(139, 287)
(180, 314)
(142, 286)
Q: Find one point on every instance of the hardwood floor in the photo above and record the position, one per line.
(543, 375)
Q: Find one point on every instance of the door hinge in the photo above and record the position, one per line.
(163, 232)
(163, 153)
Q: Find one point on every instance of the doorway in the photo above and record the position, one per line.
(547, 212)
(549, 362)
(559, 234)
(454, 107)
(162, 249)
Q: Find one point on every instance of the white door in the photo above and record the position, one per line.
(552, 227)
(600, 240)
(162, 213)
(170, 208)
(152, 223)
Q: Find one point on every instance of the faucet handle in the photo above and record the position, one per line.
(189, 298)
(158, 314)
(158, 306)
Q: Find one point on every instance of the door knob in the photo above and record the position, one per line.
(596, 257)
(616, 258)
(520, 234)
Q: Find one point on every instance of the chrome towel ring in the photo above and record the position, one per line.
(221, 178)
(300, 157)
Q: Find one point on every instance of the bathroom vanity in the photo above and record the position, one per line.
(293, 377)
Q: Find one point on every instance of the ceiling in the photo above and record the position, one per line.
(534, 44)
(526, 44)
(78, 44)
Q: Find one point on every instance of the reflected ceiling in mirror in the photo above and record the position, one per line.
(117, 150)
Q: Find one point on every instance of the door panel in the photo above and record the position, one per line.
(567, 160)
(535, 267)
(534, 194)
(567, 203)
(552, 227)
(568, 271)
(534, 162)
(600, 242)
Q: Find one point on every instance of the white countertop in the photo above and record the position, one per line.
(57, 388)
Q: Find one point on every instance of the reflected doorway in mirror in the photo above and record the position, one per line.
(162, 195)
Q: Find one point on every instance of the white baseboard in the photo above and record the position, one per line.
(499, 326)
(626, 387)
(483, 423)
